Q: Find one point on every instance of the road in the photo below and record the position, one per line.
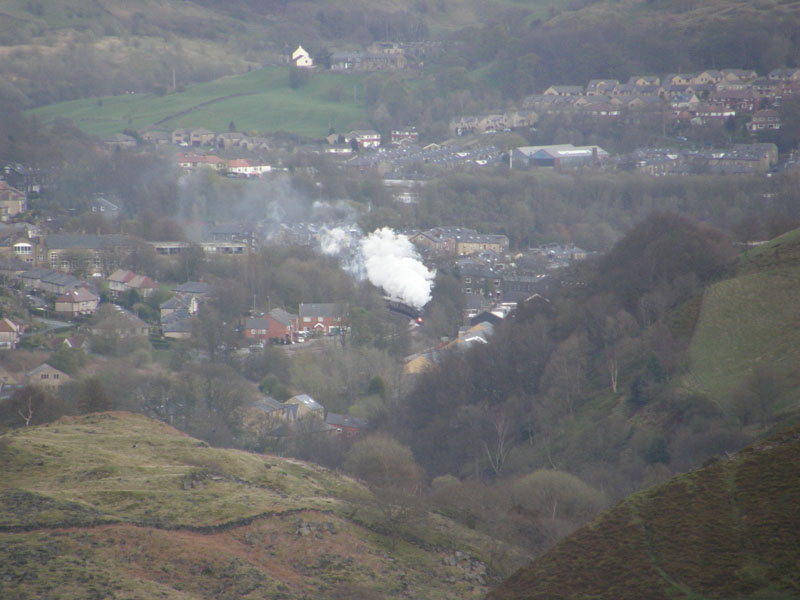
(52, 324)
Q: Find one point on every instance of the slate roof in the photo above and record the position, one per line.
(80, 294)
(193, 287)
(35, 274)
(283, 317)
(63, 241)
(268, 404)
(60, 279)
(308, 402)
(175, 302)
(256, 323)
(338, 420)
(177, 323)
(320, 310)
(119, 319)
(45, 367)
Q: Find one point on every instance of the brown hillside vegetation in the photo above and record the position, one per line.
(115, 505)
(726, 531)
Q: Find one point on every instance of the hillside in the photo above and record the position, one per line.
(68, 49)
(749, 320)
(726, 531)
(115, 505)
(662, 36)
(57, 53)
(262, 100)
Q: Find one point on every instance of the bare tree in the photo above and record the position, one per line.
(28, 414)
(503, 423)
(565, 372)
(30, 405)
(616, 333)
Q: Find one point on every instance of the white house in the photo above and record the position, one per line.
(242, 166)
(301, 58)
(366, 138)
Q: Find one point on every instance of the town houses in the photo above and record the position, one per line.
(691, 98)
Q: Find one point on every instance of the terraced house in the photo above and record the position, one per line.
(85, 254)
(458, 241)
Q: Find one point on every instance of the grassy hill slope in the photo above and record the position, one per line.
(115, 505)
(749, 320)
(726, 531)
(261, 100)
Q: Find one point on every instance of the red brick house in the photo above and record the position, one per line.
(322, 319)
(276, 326)
(122, 280)
(345, 425)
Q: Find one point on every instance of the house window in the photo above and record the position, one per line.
(468, 291)
(55, 375)
(319, 319)
(306, 319)
(467, 279)
(45, 376)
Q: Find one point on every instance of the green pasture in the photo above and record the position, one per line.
(746, 321)
(260, 101)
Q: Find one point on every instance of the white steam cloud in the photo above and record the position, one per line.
(388, 259)
(392, 263)
(334, 241)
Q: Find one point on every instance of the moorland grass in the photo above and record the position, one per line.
(126, 507)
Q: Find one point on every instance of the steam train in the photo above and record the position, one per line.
(397, 306)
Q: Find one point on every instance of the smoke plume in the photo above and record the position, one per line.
(391, 262)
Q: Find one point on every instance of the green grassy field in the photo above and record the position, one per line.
(745, 321)
(750, 319)
(260, 101)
